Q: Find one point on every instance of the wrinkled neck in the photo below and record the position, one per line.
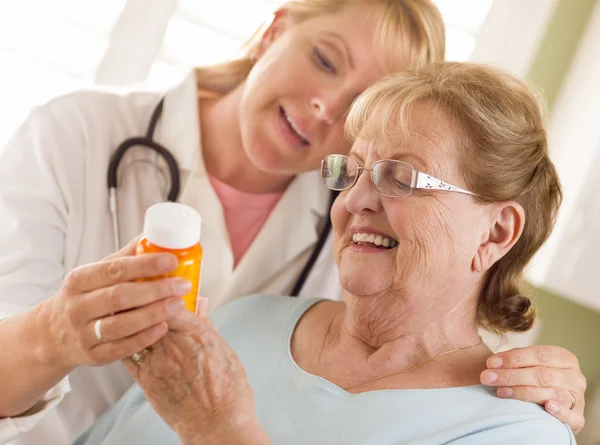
(402, 332)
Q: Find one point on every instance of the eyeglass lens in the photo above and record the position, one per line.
(390, 178)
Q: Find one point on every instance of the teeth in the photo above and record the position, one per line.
(378, 240)
(295, 128)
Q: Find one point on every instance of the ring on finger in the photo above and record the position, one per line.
(574, 401)
(98, 330)
(140, 356)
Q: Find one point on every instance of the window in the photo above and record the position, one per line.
(204, 32)
(568, 262)
(48, 48)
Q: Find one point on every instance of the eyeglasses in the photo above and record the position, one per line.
(392, 178)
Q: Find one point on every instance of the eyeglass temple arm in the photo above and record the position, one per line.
(427, 182)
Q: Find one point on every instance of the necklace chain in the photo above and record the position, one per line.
(405, 371)
(414, 368)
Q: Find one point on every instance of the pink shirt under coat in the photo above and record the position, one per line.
(245, 213)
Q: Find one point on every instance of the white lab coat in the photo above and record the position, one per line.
(55, 216)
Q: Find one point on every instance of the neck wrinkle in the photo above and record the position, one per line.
(405, 341)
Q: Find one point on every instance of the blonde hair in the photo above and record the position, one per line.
(504, 156)
(414, 27)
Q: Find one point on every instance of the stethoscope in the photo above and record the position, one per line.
(148, 142)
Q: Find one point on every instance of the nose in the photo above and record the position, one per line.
(362, 197)
(330, 107)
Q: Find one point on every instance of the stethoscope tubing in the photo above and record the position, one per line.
(115, 160)
(148, 142)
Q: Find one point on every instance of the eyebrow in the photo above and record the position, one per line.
(345, 45)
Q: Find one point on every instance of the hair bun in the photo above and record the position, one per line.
(516, 313)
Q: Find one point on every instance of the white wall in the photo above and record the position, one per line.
(512, 33)
(570, 262)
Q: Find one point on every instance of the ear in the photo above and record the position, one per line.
(281, 22)
(505, 229)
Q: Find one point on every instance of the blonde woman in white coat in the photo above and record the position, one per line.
(251, 131)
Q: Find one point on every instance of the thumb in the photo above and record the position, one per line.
(184, 321)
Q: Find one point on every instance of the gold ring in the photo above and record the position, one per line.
(139, 357)
(574, 401)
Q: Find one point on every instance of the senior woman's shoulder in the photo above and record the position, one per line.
(493, 420)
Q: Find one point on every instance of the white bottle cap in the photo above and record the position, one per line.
(172, 225)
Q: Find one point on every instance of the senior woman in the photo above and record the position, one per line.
(446, 195)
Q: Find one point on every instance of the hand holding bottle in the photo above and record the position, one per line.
(108, 310)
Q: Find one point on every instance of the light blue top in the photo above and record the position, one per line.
(295, 407)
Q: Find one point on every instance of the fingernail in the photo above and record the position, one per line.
(181, 286)
(201, 306)
(494, 362)
(505, 393)
(158, 329)
(553, 407)
(489, 378)
(175, 306)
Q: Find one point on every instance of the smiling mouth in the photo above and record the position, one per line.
(372, 240)
(292, 127)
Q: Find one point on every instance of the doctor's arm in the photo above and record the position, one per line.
(48, 341)
(45, 313)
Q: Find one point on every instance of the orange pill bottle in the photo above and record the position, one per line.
(175, 228)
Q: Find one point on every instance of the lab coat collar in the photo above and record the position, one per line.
(179, 126)
(309, 188)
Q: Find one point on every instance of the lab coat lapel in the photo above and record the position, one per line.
(180, 131)
(178, 127)
(291, 229)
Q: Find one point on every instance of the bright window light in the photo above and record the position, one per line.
(200, 21)
(92, 15)
(48, 48)
(467, 15)
(51, 40)
(237, 19)
(459, 44)
(30, 81)
(204, 32)
(188, 42)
